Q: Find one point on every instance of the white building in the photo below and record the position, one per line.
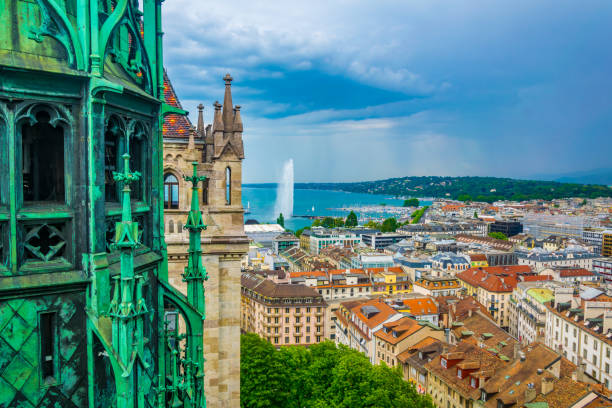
(570, 275)
(570, 257)
(582, 334)
(527, 310)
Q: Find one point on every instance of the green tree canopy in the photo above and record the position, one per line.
(351, 220)
(328, 222)
(322, 375)
(411, 202)
(372, 224)
(464, 197)
(281, 220)
(389, 225)
(498, 235)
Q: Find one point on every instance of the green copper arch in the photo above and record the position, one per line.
(50, 11)
(110, 24)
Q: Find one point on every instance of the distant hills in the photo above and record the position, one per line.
(597, 176)
(486, 189)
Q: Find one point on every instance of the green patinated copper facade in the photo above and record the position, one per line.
(87, 316)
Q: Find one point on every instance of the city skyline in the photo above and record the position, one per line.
(352, 93)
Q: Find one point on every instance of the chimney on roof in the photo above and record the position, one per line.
(530, 393)
(547, 385)
(517, 350)
(579, 375)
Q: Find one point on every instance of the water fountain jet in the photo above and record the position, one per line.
(284, 192)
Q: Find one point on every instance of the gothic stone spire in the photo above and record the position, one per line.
(228, 108)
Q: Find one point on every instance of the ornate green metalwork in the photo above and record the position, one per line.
(89, 65)
(55, 23)
(195, 274)
(44, 241)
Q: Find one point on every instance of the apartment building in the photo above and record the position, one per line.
(413, 361)
(418, 306)
(603, 267)
(540, 259)
(527, 310)
(471, 376)
(606, 244)
(397, 336)
(283, 314)
(456, 375)
(581, 331)
(319, 238)
(437, 283)
(390, 281)
(357, 321)
(570, 275)
(381, 240)
(492, 287)
(450, 262)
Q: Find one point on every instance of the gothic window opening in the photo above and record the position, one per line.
(48, 347)
(136, 151)
(228, 186)
(205, 192)
(111, 162)
(171, 192)
(43, 161)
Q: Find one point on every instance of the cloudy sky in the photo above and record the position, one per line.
(362, 90)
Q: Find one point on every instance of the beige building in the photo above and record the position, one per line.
(219, 152)
(283, 314)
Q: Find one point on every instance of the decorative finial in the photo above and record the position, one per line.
(126, 177)
(217, 105)
(200, 107)
(228, 79)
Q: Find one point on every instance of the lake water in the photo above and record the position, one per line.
(262, 199)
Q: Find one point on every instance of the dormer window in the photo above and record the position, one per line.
(443, 362)
(459, 373)
(483, 395)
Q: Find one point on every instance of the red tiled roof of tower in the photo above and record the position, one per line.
(175, 126)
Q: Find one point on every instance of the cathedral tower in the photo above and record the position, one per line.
(220, 149)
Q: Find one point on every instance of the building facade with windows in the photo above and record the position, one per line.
(358, 320)
(283, 314)
(398, 336)
(582, 332)
(603, 267)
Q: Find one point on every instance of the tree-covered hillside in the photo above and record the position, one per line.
(473, 188)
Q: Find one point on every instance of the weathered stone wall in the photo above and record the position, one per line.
(223, 246)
